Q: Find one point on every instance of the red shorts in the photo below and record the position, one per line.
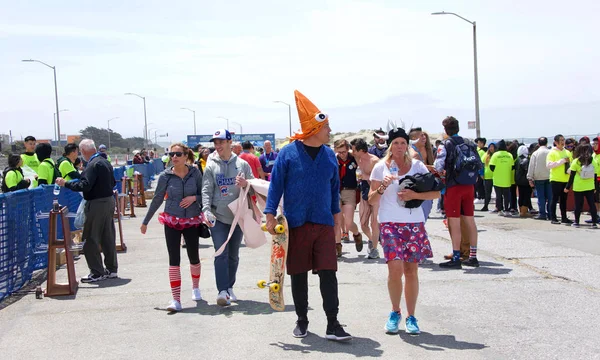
(311, 247)
(459, 201)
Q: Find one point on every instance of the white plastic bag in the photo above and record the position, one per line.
(80, 217)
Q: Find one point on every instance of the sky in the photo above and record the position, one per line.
(362, 62)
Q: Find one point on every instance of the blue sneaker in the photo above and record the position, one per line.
(411, 325)
(391, 326)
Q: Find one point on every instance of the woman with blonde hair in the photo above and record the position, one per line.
(420, 149)
(402, 227)
(182, 183)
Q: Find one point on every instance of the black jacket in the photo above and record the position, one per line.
(97, 180)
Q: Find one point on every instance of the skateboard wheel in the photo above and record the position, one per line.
(274, 287)
(263, 227)
(262, 284)
(279, 229)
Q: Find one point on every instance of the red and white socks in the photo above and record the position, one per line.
(175, 280)
(195, 271)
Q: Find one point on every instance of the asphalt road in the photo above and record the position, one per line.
(536, 296)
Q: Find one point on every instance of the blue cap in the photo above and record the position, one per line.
(221, 134)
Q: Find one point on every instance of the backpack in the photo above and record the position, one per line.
(464, 162)
(4, 188)
(56, 171)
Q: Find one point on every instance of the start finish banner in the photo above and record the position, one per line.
(255, 139)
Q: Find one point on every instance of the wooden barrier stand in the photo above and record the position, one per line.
(127, 193)
(139, 186)
(52, 288)
(117, 215)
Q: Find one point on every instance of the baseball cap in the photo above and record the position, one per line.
(221, 134)
(102, 147)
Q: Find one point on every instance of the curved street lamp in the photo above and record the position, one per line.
(55, 94)
(108, 129)
(145, 120)
(289, 113)
(194, 111)
(224, 118)
(477, 124)
(240, 125)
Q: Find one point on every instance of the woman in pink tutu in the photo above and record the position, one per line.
(402, 225)
(182, 185)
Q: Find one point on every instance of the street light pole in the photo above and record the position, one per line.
(55, 95)
(476, 75)
(193, 111)
(54, 120)
(145, 119)
(289, 114)
(108, 129)
(240, 125)
(224, 118)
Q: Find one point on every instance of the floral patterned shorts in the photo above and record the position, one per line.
(405, 241)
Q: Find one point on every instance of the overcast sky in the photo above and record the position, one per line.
(360, 61)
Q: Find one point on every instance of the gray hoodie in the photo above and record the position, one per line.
(177, 188)
(218, 185)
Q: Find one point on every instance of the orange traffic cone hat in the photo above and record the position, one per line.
(311, 118)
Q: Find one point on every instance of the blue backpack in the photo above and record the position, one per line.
(464, 162)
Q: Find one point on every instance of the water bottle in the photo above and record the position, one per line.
(394, 171)
(358, 174)
(56, 190)
(55, 205)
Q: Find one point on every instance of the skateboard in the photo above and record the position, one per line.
(279, 247)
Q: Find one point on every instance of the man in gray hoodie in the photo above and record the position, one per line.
(225, 174)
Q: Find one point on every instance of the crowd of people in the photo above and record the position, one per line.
(394, 183)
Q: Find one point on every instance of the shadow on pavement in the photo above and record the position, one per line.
(106, 283)
(485, 268)
(359, 347)
(433, 342)
(360, 259)
(245, 307)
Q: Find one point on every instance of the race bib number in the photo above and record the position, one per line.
(587, 172)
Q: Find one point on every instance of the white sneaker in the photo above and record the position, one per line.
(223, 298)
(174, 306)
(196, 294)
(232, 296)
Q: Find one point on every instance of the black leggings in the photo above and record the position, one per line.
(513, 197)
(558, 194)
(329, 293)
(589, 196)
(525, 196)
(173, 238)
(502, 194)
(489, 186)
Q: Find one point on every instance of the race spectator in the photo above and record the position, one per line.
(559, 162)
(248, 156)
(583, 181)
(539, 177)
(46, 174)
(502, 165)
(348, 196)
(379, 148)
(521, 168)
(488, 177)
(29, 157)
(66, 164)
(12, 177)
(97, 183)
(267, 159)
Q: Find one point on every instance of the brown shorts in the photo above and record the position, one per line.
(312, 247)
(348, 197)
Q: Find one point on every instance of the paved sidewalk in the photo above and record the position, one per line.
(535, 296)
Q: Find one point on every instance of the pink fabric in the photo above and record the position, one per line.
(180, 223)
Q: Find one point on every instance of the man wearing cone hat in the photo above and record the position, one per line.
(305, 173)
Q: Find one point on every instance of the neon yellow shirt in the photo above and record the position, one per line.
(13, 178)
(65, 168)
(580, 184)
(30, 161)
(46, 171)
(488, 174)
(558, 174)
(503, 173)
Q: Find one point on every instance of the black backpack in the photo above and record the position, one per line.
(464, 162)
(4, 188)
(56, 171)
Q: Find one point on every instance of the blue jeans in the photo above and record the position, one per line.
(426, 206)
(544, 195)
(226, 264)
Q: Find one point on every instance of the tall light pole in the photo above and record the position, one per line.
(477, 124)
(240, 125)
(289, 113)
(183, 108)
(145, 120)
(55, 95)
(108, 129)
(56, 136)
(224, 118)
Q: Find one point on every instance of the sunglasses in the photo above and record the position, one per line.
(175, 154)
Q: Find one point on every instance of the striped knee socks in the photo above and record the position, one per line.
(195, 271)
(473, 252)
(175, 280)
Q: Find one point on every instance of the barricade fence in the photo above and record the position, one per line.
(24, 226)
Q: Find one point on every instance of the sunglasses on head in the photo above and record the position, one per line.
(175, 154)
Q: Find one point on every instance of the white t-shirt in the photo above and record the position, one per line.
(389, 209)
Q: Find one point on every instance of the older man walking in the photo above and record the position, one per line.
(96, 183)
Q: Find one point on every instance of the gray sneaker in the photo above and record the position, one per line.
(369, 246)
(373, 254)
